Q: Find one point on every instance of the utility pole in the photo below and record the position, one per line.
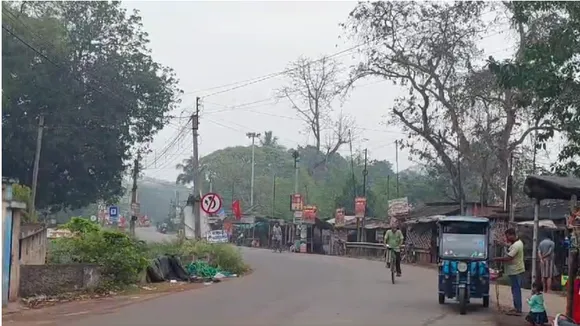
(364, 190)
(36, 164)
(460, 185)
(134, 196)
(296, 157)
(397, 163)
(511, 189)
(388, 196)
(253, 136)
(210, 183)
(273, 194)
(196, 172)
(354, 192)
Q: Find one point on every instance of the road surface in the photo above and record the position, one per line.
(150, 234)
(298, 290)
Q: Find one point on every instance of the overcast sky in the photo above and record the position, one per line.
(214, 43)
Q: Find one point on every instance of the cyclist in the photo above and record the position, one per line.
(394, 239)
(277, 236)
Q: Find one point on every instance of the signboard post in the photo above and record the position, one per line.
(360, 207)
(135, 209)
(211, 203)
(296, 203)
(114, 214)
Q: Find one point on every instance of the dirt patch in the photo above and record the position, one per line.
(51, 311)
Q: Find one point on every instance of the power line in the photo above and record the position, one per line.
(248, 82)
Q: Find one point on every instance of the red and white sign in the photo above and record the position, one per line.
(296, 202)
(309, 214)
(360, 207)
(211, 203)
(339, 217)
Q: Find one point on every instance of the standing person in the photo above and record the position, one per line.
(546, 256)
(394, 239)
(277, 236)
(514, 268)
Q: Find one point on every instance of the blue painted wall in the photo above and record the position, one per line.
(6, 245)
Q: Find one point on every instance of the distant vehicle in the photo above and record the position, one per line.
(217, 236)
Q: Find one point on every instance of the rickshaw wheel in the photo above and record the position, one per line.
(441, 298)
(462, 297)
(485, 302)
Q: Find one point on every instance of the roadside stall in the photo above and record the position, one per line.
(564, 188)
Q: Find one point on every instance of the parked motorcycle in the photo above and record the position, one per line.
(562, 320)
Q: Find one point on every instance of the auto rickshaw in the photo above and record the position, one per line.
(462, 257)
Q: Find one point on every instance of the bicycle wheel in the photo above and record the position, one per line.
(393, 267)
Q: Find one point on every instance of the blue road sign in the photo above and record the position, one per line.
(114, 212)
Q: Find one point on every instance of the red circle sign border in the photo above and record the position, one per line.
(207, 195)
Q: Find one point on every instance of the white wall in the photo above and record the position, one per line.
(190, 223)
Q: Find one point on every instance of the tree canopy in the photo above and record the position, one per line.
(328, 189)
(87, 69)
(546, 72)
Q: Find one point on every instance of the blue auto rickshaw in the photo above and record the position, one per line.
(463, 252)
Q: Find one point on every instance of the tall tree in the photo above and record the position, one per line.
(547, 73)
(269, 140)
(452, 106)
(314, 89)
(86, 67)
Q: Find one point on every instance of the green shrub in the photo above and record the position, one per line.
(121, 258)
(229, 258)
(154, 250)
(224, 256)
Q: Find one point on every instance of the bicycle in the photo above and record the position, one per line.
(392, 258)
(277, 246)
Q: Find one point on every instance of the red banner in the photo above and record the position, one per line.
(309, 214)
(339, 217)
(360, 206)
(236, 209)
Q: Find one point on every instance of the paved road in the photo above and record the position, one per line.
(150, 234)
(298, 290)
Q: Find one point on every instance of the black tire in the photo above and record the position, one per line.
(486, 302)
(441, 298)
(462, 297)
(393, 267)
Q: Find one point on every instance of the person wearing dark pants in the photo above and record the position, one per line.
(394, 239)
(514, 268)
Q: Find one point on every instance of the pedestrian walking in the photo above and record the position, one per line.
(546, 256)
(514, 268)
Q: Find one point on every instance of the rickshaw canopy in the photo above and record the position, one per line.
(467, 219)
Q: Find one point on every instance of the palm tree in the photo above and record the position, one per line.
(269, 140)
(186, 177)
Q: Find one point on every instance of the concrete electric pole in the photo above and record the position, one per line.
(32, 203)
(134, 196)
(364, 191)
(196, 172)
(397, 164)
(253, 136)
